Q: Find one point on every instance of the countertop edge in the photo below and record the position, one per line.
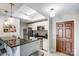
(18, 44)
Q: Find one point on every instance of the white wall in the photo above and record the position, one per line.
(49, 34)
(66, 17)
(22, 26)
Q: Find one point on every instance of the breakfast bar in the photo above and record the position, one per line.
(20, 47)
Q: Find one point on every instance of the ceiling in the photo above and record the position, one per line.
(60, 8)
(6, 6)
(30, 12)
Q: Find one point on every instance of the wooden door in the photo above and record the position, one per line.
(65, 37)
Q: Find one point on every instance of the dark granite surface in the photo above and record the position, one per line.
(18, 42)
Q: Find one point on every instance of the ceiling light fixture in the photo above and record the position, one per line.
(6, 21)
(11, 17)
(52, 12)
(9, 21)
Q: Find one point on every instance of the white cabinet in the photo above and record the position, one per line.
(29, 48)
(45, 44)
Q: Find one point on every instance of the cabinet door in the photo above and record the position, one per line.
(45, 42)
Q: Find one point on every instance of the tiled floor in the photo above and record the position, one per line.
(58, 54)
(54, 54)
(50, 54)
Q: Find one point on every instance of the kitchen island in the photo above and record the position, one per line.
(20, 47)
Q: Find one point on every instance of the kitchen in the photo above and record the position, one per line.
(28, 42)
(36, 34)
(39, 29)
(25, 38)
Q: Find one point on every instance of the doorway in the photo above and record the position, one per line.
(65, 37)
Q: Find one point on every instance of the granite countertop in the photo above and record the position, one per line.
(15, 42)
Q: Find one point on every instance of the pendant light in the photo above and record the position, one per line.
(11, 17)
(6, 21)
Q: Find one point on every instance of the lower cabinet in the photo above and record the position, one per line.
(29, 48)
(45, 44)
